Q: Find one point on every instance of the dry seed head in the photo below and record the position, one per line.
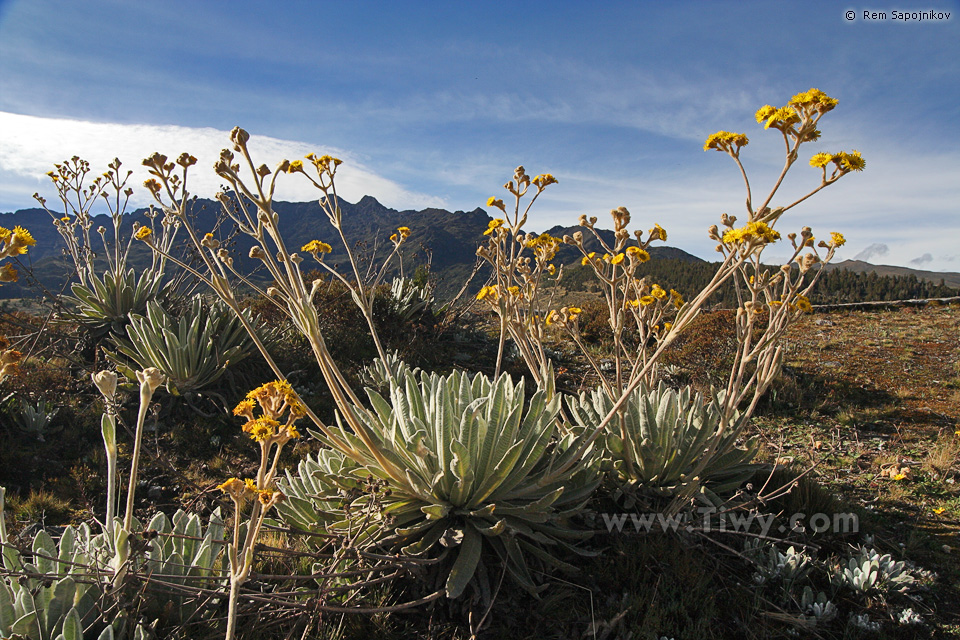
(621, 218)
(186, 160)
(807, 261)
(239, 137)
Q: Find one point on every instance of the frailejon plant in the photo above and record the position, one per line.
(182, 556)
(409, 299)
(378, 374)
(468, 473)
(816, 608)
(105, 304)
(62, 590)
(56, 593)
(355, 438)
(359, 436)
(868, 571)
(103, 301)
(790, 567)
(661, 434)
(33, 418)
(192, 353)
(773, 299)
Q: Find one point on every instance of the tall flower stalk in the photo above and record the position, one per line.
(106, 382)
(271, 430)
(778, 297)
(150, 379)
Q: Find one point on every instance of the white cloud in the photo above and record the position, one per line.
(875, 250)
(29, 147)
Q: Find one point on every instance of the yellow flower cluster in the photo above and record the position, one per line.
(566, 316)
(490, 293)
(543, 181)
(8, 273)
(778, 118)
(638, 254)
(402, 234)
(837, 239)
(324, 163)
(493, 225)
(725, 141)
(16, 242)
(496, 202)
(315, 247)
(815, 100)
(544, 246)
(274, 398)
(852, 161)
(242, 490)
(677, 298)
(752, 232)
(821, 159)
(143, 233)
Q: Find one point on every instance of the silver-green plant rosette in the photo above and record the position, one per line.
(661, 436)
(471, 477)
(62, 588)
(104, 304)
(192, 352)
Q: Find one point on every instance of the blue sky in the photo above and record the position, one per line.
(435, 103)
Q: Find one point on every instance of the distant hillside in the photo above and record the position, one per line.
(949, 278)
(451, 240)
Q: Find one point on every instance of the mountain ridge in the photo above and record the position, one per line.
(449, 237)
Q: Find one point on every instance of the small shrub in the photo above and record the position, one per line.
(43, 507)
